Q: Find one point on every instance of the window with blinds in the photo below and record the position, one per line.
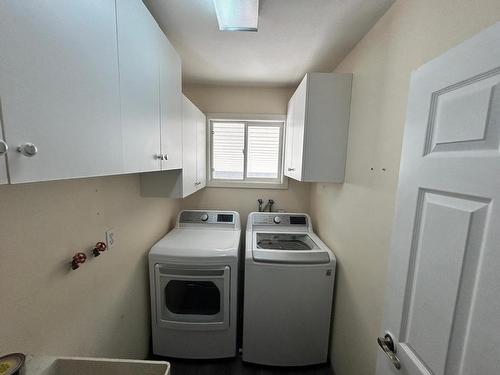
(246, 151)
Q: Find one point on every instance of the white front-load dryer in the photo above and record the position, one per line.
(193, 274)
(289, 278)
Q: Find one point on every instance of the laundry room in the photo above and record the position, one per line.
(249, 187)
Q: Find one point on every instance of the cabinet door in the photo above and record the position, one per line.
(59, 88)
(201, 150)
(139, 86)
(288, 168)
(299, 119)
(170, 104)
(188, 147)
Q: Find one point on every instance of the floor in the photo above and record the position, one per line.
(237, 367)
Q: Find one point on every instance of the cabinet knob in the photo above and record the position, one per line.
(3, 147)
(27, 149)
(159, 157)
(165, 156)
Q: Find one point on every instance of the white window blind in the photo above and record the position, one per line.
(263, 151)
(246, 152)
(228, 145)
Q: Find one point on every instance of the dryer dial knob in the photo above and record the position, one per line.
(277, 220)
(204, 217)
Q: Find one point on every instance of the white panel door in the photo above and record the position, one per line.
(442, 303)
(189, 158)
(299, 122)
(59, 88)
(288, 168)
(201, 149)
(139, 86)
(170, 104)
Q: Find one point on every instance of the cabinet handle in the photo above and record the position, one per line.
(159, 157)
(165, 157)
(27, 149)
(3, 147)
(291, 169)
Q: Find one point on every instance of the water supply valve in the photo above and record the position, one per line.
(99, 248)
(78, 259)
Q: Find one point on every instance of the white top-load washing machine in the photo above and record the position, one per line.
(193, 273)
(289, 277)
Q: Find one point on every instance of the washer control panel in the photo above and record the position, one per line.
(206, 217)
(274, 218)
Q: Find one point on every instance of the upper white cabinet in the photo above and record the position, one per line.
(189, 173)
(317, 128)
(192, 177)
(170, 104)
(59, 88)
(139, 64)
(87, 88)
(201, 149)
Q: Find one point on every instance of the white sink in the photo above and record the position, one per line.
(93, 366)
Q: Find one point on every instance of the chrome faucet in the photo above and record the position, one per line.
(269, 205)
(260, 201)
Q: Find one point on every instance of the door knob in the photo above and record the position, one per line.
(387, 345)
(27, 149)
(3, 147)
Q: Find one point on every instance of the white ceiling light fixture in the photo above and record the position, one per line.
(237, 15)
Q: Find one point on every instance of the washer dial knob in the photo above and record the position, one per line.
(204, 217)
(277, 220)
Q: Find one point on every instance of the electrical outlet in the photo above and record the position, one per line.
(110, 238)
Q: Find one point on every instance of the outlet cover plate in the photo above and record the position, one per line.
(110, 238)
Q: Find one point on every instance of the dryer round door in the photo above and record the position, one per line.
(188, 298)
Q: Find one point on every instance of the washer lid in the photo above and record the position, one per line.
(285, 241)
(298, 248)
(200, 244)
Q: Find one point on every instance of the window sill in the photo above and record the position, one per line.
(248, 185)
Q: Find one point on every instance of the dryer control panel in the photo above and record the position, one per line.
(207, 217)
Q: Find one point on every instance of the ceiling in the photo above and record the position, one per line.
(294, 37)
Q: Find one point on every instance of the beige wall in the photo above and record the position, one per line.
(102, 309)
(355, 218)
(245, 100)
(242, 100)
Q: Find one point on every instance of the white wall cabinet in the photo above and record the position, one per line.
(59, 88)
(93, 87)
(317, 128)
(201, 149)
(192, 177)
(139, 64)
(170, 104)
(189, 173)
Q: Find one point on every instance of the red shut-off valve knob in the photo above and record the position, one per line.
(99, 248)
(78, 259)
